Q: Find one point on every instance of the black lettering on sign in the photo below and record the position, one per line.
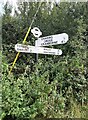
(49, 52)
(22, 48)
(49, 42)
(47, 39)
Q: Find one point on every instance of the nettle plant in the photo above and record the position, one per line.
(30, 96)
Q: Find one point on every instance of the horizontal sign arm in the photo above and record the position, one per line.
(35, 49)
(52, 40)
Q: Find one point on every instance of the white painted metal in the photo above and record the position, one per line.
(52, 40)
(35, 49)
(36, 32)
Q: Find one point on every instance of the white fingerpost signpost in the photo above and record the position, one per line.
(35, 49)
(52, 40)
(43, 41)
(36, 32)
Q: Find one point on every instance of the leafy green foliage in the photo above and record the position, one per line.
(55, 86)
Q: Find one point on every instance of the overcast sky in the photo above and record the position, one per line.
(14, 2)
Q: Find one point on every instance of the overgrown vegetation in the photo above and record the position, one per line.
(55, 86)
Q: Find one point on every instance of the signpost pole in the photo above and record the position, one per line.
(36, 56)
(36, 61)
